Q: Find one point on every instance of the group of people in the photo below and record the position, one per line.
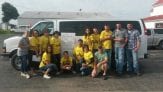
(91, 55)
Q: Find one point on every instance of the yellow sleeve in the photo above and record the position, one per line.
(84, 40)
(31, 42)
(91, 37)
(102, 35)
(51, 41)
(91, 55)
(41, 42)
(45, 58)
(62, 60)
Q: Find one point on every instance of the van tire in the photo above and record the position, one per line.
(161, 45)
(15, 62)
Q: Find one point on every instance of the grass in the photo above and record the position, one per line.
(2, 31)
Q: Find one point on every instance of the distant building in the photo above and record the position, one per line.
(155, 20)
(29, 18)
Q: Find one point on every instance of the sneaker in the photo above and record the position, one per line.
(82, 73)
(73, 72)
(104, 77)
(46, 76)
(138, 74)
(27, 76)
(23, 74)
(58, 73)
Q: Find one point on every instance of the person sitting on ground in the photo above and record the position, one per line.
(45, 65)
(66, 63)
(87, 64)
(100, 63)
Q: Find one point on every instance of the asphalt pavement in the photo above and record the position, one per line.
(151, 80)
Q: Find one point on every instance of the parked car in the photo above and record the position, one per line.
(155, 38)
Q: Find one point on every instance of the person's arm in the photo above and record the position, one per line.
(138, 42)
(95, 64)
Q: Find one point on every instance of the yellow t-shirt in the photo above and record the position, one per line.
(96, 40)
(78, 52)
(46, 58)
(56, 45)
(66, 61)
(87, 57)
(44, 41)
(34, 43)
(107, 44)
(88, 40)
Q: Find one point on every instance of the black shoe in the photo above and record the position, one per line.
(119, 75)
(105, 77)
(138, 74)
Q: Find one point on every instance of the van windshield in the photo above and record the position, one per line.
(79, 27)
(43, 25)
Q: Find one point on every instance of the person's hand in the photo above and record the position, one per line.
(123, 46)
(136, 49)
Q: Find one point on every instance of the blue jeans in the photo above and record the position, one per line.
(119, 58)
(109, 53)
(86, 70)
(24, 63)
(132, 61)
(53, 68)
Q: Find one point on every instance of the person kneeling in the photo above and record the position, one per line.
(100, 63)
(66, 63)
(46, 66)
(87, 64)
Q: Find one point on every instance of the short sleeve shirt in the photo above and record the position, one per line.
(56, 44)
(66, 61)
(133, 37)
(100, 56)
(34, 43)
(122, 34)
(107, 44)
(23, 51)
(46, 57)
(44, 41)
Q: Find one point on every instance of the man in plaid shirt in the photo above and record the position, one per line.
(132, 50)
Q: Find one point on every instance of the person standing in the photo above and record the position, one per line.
(22, 53)
(44, 41)
(132, 50)
(106, 40)
(96, 40)
(34, 51)
(120, 37)
(55, 42)
(88, 39)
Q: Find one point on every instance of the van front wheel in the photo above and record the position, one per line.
(161, 45)
(15, 62)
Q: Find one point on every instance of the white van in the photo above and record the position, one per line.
(72, 30)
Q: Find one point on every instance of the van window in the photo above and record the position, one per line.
(44, 25)
(79, 27)
(158, 31)
(148, 32)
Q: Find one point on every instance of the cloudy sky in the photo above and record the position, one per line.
(118, 8)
